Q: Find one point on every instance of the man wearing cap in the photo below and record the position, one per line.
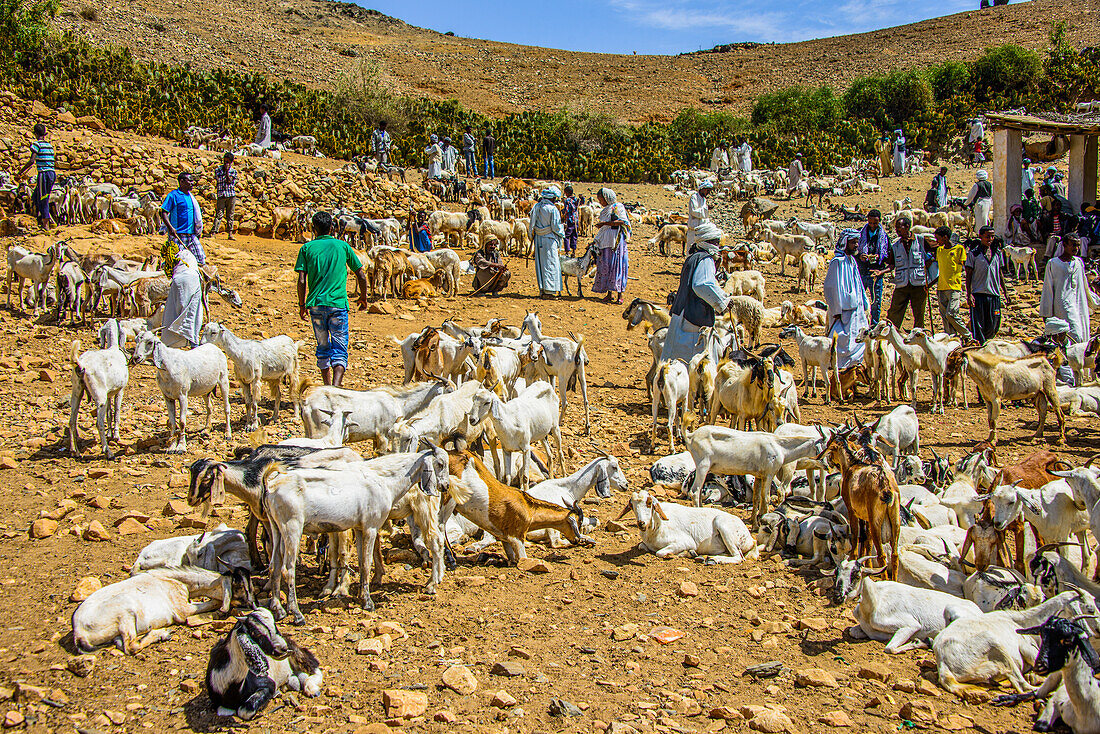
(1066, 293)
(847, 301)
(547, 234)
(698, 298)
(980, 199)
(1056, 331)
(795, 172)
(698, 211)
(874, 244)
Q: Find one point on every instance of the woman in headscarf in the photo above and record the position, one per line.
(182, 319)
(698, 298)
(899, 153)
(612, 234)
(435, 157)
(847, 300)
(547, 234)
(1018, 231)
(981, 199)
(1066, 293)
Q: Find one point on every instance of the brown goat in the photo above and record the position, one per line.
(1003, 378)
(986, 540)
(428, 358)
(510, 513)
(870, 492)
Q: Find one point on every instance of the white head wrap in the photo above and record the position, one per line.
(982, 174)
(708, 231)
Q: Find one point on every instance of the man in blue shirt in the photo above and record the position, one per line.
(180, 213)
(42, 156)
(872, 249)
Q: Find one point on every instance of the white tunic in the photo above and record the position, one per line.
(846, 297)
(183, 309)
(719, 159)
(1067, 296)
(698, 212)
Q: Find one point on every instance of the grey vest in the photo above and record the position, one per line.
(909, 263)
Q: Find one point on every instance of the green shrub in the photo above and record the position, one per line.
(797, 109)
(1005, 76)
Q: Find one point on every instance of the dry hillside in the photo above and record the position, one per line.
(312, 41)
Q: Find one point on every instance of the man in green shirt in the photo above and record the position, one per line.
(321, 270)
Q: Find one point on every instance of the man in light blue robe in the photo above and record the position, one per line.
(899, 153)
(547, 234)
(847, 300)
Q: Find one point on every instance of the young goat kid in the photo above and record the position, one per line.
(102, 375)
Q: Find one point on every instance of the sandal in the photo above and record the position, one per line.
(606, 299)
(619, 300)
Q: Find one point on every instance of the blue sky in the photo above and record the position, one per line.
(660, 26)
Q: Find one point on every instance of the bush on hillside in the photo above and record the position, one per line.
(795, 110)
(1005, 77)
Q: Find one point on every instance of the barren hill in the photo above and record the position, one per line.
(314, 41)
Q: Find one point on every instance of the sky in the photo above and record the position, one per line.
(660, 26)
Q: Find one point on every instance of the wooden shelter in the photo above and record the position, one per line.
(1008, 128)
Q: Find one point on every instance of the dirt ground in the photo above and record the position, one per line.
(315, 41)
(557, 625)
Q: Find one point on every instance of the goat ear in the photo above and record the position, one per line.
(217, 492)
(659, 511)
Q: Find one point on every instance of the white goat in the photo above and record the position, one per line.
(26, 265)
(221, 544)
(529, 417)
(817, 353)
(670, 530)
(444, 416)
(102, 374)
(911, 358)
(935, 353)
(670, 387)
(182, 374)
(898, 433)
(561, 359)
(579, 268)
(370, 414)
(256, 361)
(1053, 511)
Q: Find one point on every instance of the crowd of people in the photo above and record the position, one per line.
(441, 155)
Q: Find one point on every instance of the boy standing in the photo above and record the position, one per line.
(950, 257)
(42, 156)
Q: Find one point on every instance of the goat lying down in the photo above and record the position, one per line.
(672, 530)
(253, 662)
(133, 612)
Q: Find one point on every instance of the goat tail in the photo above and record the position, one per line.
(74, 352)
(662, 376)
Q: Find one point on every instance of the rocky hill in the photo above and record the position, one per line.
(315, 41)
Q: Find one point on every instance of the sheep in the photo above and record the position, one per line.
(808, 265)
(133, 613)
(669, 235)
(248, 667)
(670, 388)
(1022, 260)
(560, 359)
(182, 374)
(788, 244)
(529, 417)
(670, 530)
(26, 265)
(1002, 378)
(871, 495)
(816, 353)
(326, 500)
(577, 267)
(506, 512)
(902, 616)
(256, 361)
(371, 414)
(447, 262)
(213, 550)
(102, 374)
(990, 647)
(761, 454)
(749, 313)
(502, 231)
(936, 358)
(445, 416)
(745, 283)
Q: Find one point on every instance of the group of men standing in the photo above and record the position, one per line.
(441, 155)
(724, 158)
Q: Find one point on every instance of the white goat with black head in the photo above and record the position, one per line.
(249, 666)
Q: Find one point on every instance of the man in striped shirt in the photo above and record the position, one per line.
(42, 156)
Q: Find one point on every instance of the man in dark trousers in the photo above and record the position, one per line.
(42, 156)
(488, 148)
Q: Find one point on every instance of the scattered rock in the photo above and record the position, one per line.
(81, 666)
(509, 668)
(130, 526)
(725, 713)
(66, 118)
(764, 670)
(874, 671)
(618, 727)
(404, 704)
(771, 722)
(613, 526)
(445, 716)
(175, 507)
(533, 565)
(836, 718)
(13, 719)
(96, 531)
(561, 707)
(919, 712)
(503, 700)
(85, 587)
(687, 589)
(47, 375)
(928, 688)
(43, 527)
(189, 686)
(99, 472)
(101, 502)
(460, 680)
(954, 722)
(817, 624)
(665, 635)
(691, 661)
(370, 646)
(91, 121)
(381, 307)
(519, 652)
(624, 632)
(814, 678)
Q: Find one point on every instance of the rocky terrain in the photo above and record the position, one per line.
(314, 41)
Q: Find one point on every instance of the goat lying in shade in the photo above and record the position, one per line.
(672, 530)
(253, 662)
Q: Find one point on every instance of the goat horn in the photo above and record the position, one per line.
(1051, 546)
(1092, 458)
(1085, 616)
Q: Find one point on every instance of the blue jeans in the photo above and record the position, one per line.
(330, 327)
(874, 285)
(471, 164)
(490, 167)
(41, 196)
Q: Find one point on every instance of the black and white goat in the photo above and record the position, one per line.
(253, 662)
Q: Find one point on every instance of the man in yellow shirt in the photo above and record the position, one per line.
(950, 257)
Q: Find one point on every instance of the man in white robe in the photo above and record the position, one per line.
(698, 211)
(263, 129)
(847, 300)
(795, 172)
(435, 157)
(1066, 293)
(547, 233)
(183, 309)
(720, 158)
(744, 155)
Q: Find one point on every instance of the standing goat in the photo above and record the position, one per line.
(26, 265)
(531, 416)
(817, 353)
(670, 388)
(936, 358)
(560, 359)
(267, 361)
(102, 374)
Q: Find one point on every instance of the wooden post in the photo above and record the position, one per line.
(1081, 187)
(1007, 170)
